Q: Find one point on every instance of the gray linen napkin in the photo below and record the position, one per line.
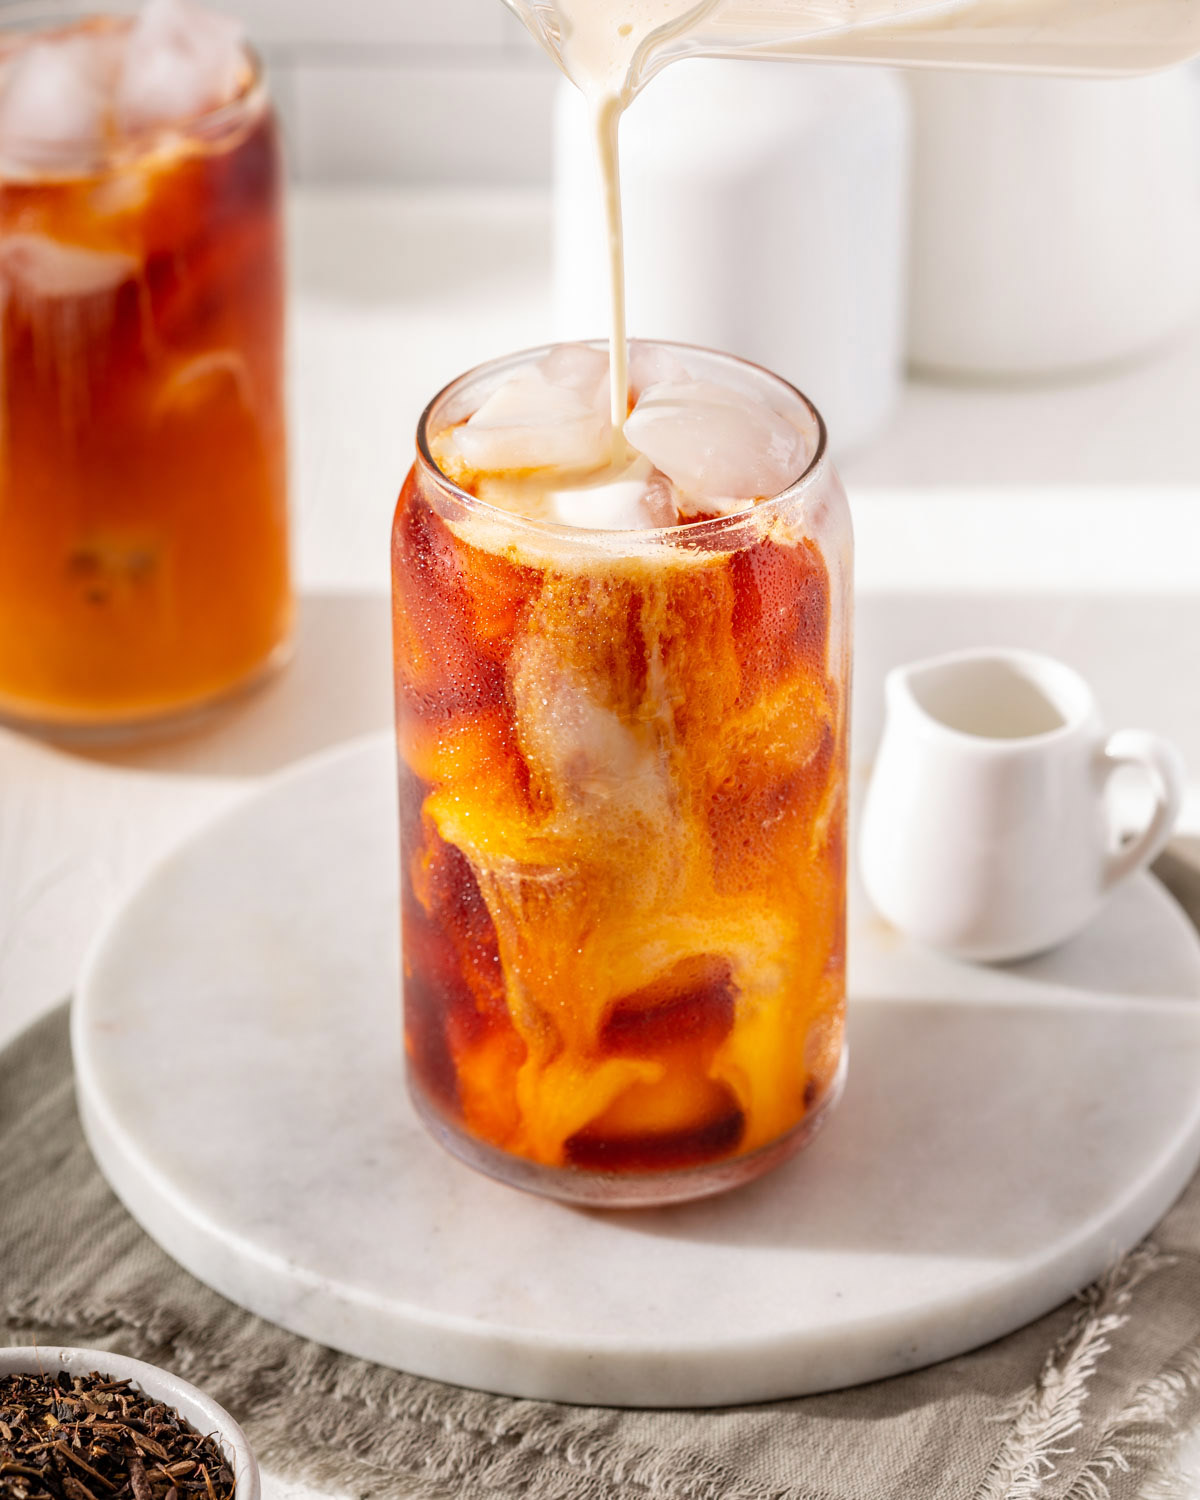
(1086, 1404)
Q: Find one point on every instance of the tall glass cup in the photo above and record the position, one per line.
(143, 508)
(623, 826)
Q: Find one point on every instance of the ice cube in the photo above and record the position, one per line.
(552, 415)
(693, 1002)
(716, 444)
(640, 498)
(577, 367)
(180, 61)
(583, 750)
(602, 507)
(623, 505)
(655, 364)
(36, 267)
(201, 383)
(55, 102)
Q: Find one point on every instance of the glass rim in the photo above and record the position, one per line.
(31, 17)
(698, 530)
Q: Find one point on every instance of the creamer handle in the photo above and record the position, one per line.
(1164, 765)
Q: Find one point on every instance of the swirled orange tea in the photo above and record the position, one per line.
(143, 526)
(621, 675)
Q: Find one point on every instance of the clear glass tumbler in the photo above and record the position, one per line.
(144, 569)
(623, 798)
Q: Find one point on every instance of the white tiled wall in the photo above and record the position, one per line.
(426, 91)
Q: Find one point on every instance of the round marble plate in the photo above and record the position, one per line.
(1004, 1134)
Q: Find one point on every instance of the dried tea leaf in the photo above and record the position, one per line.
(90, 1438)
(138, 1481)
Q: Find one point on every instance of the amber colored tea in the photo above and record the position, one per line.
(143, 530)
(623, 799)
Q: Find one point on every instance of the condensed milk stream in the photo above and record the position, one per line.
(603, 51)
(610, 48)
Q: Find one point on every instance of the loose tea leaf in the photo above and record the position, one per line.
(90, 1438)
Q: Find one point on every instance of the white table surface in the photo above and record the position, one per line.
(1065, 518)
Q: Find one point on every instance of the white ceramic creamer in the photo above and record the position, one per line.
(987, 832)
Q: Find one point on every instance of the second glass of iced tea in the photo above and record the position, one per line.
(623, 821)
(143, 508)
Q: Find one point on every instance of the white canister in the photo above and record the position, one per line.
(765, 215)
(1056, 221)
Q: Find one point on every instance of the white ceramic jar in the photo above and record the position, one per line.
(765, 215)
(1056, 221)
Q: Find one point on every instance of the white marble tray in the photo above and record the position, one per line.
(1004, 1134)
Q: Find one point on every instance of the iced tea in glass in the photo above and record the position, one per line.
(622, 769)
(143, 528)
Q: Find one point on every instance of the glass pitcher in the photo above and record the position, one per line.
(1052, 36)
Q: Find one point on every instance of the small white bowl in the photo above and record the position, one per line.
(160, 1385)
